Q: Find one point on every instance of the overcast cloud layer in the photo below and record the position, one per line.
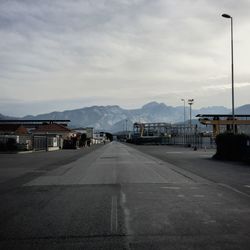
(62, 54)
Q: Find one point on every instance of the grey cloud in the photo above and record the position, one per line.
(126, 45)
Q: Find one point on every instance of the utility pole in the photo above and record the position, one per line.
(190, 102)
(184, 119)
(126, 128)
(232, 68)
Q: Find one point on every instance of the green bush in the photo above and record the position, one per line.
(10, 145)
(232, 147)
(83, 140)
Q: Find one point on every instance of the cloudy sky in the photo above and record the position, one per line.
(66, 54)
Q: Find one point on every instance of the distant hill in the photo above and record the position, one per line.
(213, 110)
(4, 117)
(114, 118)
(243, 110)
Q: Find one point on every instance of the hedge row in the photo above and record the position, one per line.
(235, 147)
(10, 145)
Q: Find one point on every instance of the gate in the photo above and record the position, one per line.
(39, 142)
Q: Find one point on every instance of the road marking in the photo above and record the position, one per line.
(113, 215)
(126, 211)
(140, 192)
(182, 174)
(209, 221)
(216, 203)
(39, 171)
(181, 195)
(171, 187)
(198, 195)
(174, 152)
(233, 189)
(247, 186)
(114, 173)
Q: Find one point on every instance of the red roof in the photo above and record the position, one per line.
(13, 128)
(53, 127)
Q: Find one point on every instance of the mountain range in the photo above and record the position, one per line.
(114, 118)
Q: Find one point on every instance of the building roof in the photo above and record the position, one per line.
(13, 128)
(53, 127)
(222, 115)
(36, 121)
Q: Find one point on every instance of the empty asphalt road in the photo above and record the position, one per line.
(120, 197)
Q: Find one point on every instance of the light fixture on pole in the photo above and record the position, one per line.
(190, 102)
(126, 128)
(184, 121)
(184, 111)
(232, 67)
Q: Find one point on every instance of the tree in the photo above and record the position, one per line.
(109, 136)
(83, 140)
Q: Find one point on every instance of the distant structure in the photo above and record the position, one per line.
(34, 134)
(14, 132)
(34, 123)
(87, 133)
(225, 122)
(159, 133)
(151, 129)
(51, 136)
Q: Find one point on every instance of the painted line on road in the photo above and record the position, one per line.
(114, 174)
(247, 186)
(181, 195)
(209, 221)
(39, 171)
(174, 152)
(113, 215)
(127, 219)
(198, 195)
(233, 189)
(171, 187)
(180, 173)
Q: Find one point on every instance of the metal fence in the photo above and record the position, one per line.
(39, 142)
(190, 140)
(193, 140)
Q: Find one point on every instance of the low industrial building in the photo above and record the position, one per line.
(14, 136)
(34, 134)
(99, 137)
(51, 136)
(86, 135)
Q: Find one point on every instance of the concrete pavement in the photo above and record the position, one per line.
(118, 197)
(116, 164)
(234, 175)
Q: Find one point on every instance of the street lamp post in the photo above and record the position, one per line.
(126, 128)
(232, 65)
(184, 117)
(184, 111)
(190, 102)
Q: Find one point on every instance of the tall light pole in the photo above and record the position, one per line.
(184, 111)
(190, 102)
(184, 117)
(126, 128)
(232, 60)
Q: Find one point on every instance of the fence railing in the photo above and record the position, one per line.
(190, 140)
(193, 140)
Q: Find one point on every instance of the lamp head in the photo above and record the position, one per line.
(226, 16)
